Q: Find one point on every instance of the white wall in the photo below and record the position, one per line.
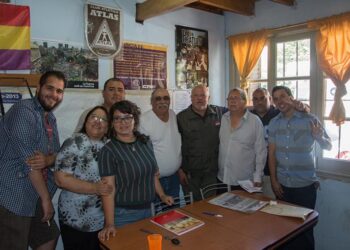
(64, 21)
(333, 204)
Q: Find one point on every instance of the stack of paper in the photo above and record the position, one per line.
(287, 210)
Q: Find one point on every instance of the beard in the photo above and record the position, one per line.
(45, 106)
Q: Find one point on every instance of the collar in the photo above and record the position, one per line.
(210, 111)
(296, 114)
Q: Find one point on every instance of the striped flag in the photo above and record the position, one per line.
(14, 37)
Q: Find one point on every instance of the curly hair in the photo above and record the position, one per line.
(127, 107)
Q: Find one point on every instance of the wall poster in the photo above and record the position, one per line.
(78, 64)
(191, 57)
(141, 66)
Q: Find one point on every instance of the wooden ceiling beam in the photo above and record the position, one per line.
(285, 2)
(245, 7)
(152, 8)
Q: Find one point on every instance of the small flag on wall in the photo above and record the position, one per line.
(14, 37)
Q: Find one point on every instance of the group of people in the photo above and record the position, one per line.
(119, 161)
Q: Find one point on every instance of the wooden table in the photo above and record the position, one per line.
(235, 230)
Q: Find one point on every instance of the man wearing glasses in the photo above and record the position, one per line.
(160, 124)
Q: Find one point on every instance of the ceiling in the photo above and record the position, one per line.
(152, 8)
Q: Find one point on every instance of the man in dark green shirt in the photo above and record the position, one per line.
(199, 127)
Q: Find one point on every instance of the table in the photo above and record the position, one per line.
(235, 230)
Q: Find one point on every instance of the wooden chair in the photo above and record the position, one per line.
(214, 187)
(160, 207)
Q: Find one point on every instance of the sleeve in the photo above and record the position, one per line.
(106, 163)
(21, 132)
(260, 151)
(324, 140)
(271, 131)
(67, 158)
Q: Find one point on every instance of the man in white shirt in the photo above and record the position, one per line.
(242, 153)
(161, 125)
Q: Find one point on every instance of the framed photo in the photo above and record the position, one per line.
(191, 57)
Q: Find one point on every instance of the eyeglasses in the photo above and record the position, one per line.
(159, 98)
(124, 118)
(236, 98)
(96, 118)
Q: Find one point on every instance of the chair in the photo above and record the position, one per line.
(180, 201)
(214, 187)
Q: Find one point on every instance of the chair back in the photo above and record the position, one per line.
(208, 191)
(180, 201)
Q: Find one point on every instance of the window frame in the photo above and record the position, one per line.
(336, 169)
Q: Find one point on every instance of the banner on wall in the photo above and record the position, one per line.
(78, 64)
(142, 66)
(103, 29)
(14, 37)
(191, 57)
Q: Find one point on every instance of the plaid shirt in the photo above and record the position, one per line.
(22, 132)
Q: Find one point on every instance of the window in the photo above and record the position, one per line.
(290, 60)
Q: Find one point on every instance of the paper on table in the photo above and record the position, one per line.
(287, 210)
(248, 185)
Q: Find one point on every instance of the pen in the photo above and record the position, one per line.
(213, 214)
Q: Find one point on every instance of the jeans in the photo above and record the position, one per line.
(171, 185)
(306, 197)
(123, 216)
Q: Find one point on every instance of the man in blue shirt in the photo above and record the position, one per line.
(292, 137)
(28, 145)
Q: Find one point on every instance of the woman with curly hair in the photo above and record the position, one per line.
(128, 163)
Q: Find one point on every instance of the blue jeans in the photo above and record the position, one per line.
(306, 197)
(123, 216)
(171, 185)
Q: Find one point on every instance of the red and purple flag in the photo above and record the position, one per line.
(14, 37)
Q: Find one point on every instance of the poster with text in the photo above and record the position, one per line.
(79, 65)
(191, 57)
(141, 66)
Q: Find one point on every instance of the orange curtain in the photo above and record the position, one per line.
(333, 54)
(246, 50)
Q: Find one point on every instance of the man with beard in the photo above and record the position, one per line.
(161, 125)
(113, 91)
(29, 143)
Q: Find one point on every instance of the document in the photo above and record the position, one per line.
(238, 203)
(287, 210)
(177, 222)
(248, 186)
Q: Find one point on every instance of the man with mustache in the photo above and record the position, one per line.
(292, 137)
(28, 145)
(160, 124)
(199, 126)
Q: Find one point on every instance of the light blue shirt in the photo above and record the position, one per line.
(295, 148)
(242, 153)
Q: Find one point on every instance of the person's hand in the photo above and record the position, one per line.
(106, 232)
(182, 177)
(48, 210)
(257, 184)
(167, 199)
(316, 129)
(277, 189)
(38, 161)
(102, 188)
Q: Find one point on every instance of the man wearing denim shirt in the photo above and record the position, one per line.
(29, 143)
(292, 137)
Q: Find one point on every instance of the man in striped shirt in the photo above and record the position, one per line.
(292, 137)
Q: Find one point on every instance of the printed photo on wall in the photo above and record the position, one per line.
(191, 57)
(141, 66)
